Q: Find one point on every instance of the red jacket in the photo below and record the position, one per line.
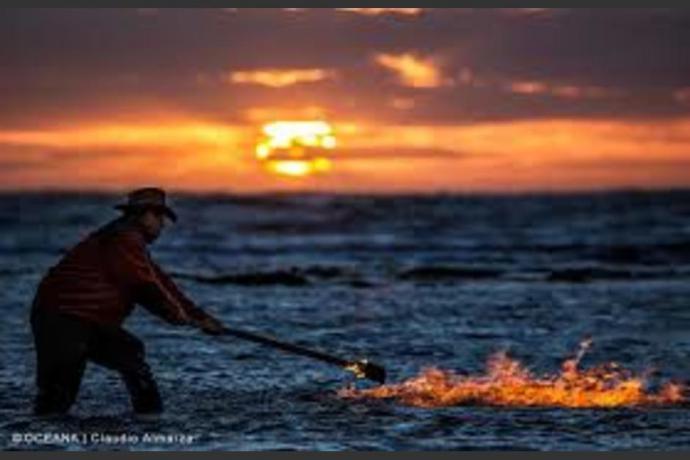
(106, 274)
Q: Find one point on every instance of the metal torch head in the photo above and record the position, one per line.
(365, 369)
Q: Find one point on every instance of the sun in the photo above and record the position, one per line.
(296, 148)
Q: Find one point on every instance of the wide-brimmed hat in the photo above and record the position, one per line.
(148, 198)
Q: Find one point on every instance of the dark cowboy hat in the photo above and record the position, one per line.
(148, 198)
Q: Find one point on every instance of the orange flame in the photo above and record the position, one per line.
(508, 383)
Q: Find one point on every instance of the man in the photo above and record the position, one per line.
(81, 303)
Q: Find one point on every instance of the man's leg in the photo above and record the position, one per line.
(61, 350)
(117, 349)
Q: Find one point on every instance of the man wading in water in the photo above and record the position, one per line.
(80, 305)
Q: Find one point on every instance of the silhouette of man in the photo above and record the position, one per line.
(81, 303)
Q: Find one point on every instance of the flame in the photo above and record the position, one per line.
(296, 148)
(508, 383)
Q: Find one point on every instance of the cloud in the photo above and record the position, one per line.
(527, 87)
(123, 135)
(530, 11)
(682, 95)
(115, 156)
(364, 153)
(279, 78)
(527, 155)
(410, 12)
(558, 90)
(402, 103)
(148, 11)
(412, 70)
(542, 140)
(382, 11)
(268, 113)
(580, 54)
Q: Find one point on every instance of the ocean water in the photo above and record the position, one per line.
(408, 282)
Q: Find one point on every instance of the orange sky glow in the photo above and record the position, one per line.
(519, 156)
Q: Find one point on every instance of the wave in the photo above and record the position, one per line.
(587, 274)
(430, 274)
(10, 272)
(280, 277)
(293, 276)
(441, 273)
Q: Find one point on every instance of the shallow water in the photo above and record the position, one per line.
(408, 282)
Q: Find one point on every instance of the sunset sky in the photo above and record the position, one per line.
(419, 100)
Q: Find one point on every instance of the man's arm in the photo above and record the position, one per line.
(199, 317)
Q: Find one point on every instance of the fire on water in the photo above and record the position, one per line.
(507, 382)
